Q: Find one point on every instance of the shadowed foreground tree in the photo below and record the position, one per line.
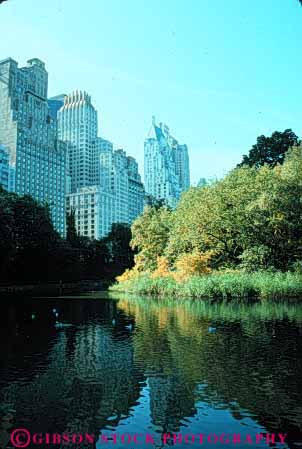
(118, 243)
(71, 231)
(32, 238)
(32, 251)
(270, 150)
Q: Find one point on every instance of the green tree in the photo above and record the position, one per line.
(34, 237)
(71, 231)
(150, 235)
(270, 150)
(249, 219)
(120, 252)
(7, 245)
(154, 202)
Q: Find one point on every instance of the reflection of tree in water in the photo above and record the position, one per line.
(251, 365)
(169, 402)
(89, 376)
(84, 378)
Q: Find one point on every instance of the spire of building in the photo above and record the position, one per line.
(154, 132)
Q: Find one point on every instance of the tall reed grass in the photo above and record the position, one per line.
(218, 286)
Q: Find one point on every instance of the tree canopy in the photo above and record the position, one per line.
(270, 150)
(31, 250)
(251, 219)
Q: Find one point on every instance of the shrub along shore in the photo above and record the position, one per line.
(217, 286)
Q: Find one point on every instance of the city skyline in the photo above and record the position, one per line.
(50, 149)
(105, 185)
(220, 92)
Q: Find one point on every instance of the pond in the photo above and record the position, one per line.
(170, 372)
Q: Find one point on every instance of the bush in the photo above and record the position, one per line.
(255, 258)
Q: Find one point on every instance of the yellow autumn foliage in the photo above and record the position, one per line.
(188, 265)
(162, 269)
(127, 275)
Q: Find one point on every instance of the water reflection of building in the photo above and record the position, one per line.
(86, 378)
(170, 402)
(171, 393)
(103, 376)
(90, 376)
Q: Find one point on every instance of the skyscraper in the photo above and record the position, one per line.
(105, 185)
(167, 172)
(27, 130)
(182, 166)
(4, 168)
(136, 190)
(55, 104)
(78, 127)
(119, 173)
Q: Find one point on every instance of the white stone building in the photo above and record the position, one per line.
(93, 211)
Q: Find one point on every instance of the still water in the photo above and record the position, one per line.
(147, 366)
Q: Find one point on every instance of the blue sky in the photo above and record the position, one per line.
(218, 72)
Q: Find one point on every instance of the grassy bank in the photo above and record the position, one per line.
(218, 286)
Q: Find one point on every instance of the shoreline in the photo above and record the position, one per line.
(254, 287)
(53, 288)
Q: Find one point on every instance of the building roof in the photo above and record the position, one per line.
(155, 132)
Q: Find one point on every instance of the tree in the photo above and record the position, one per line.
(270, 150)
(7, 246)
(154, 202)
(118, 243)
(150, 234)
(251, 219)
(31, 250)
(71, 231)
(34, 238)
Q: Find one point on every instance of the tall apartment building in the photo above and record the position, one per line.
(119, 173)
(182, 166)
(136, 190)
(55, 104)
(166, 162)
(78, 127)
(105, 185)
(4, 168)
(27, 130)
